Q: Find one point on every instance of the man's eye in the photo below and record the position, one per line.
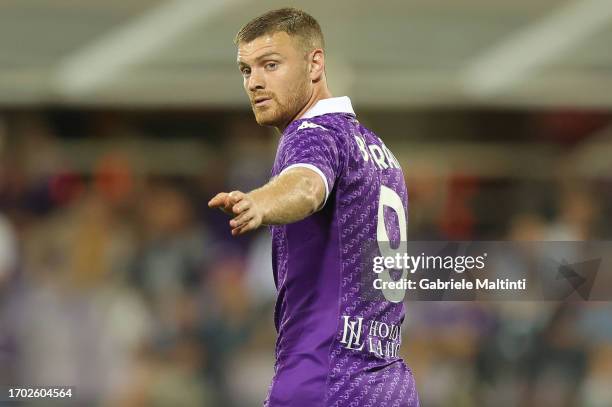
(271, 65)
(245, 71)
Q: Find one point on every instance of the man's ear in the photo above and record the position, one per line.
(317, 64)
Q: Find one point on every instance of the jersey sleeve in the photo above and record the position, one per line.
(313, 148)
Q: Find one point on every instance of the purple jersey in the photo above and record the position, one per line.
(336, 345)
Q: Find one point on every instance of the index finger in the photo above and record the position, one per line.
(235, 197)
(218, 200)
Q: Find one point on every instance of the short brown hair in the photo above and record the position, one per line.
(290, 20)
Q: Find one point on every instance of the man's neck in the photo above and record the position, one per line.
(314, 98)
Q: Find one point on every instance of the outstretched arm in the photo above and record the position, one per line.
(288, 198)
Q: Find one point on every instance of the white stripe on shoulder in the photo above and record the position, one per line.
(309, 125)
(315, 169)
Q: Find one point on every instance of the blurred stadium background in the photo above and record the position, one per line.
(120, 119)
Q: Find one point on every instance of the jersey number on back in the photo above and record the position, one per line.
(391, 199)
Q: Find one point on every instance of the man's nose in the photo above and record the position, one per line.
(256, 81)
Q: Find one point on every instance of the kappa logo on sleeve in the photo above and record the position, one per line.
(309, 125)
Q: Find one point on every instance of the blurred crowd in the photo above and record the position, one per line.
(117, 279)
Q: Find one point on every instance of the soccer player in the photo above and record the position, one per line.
(336, 192)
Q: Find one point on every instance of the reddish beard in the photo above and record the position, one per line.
(279, 114)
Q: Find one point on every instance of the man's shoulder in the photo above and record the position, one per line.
(309, 124)
(331, 123)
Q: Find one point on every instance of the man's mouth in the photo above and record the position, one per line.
(262, 101)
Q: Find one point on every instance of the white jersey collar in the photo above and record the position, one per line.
(340, 104)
